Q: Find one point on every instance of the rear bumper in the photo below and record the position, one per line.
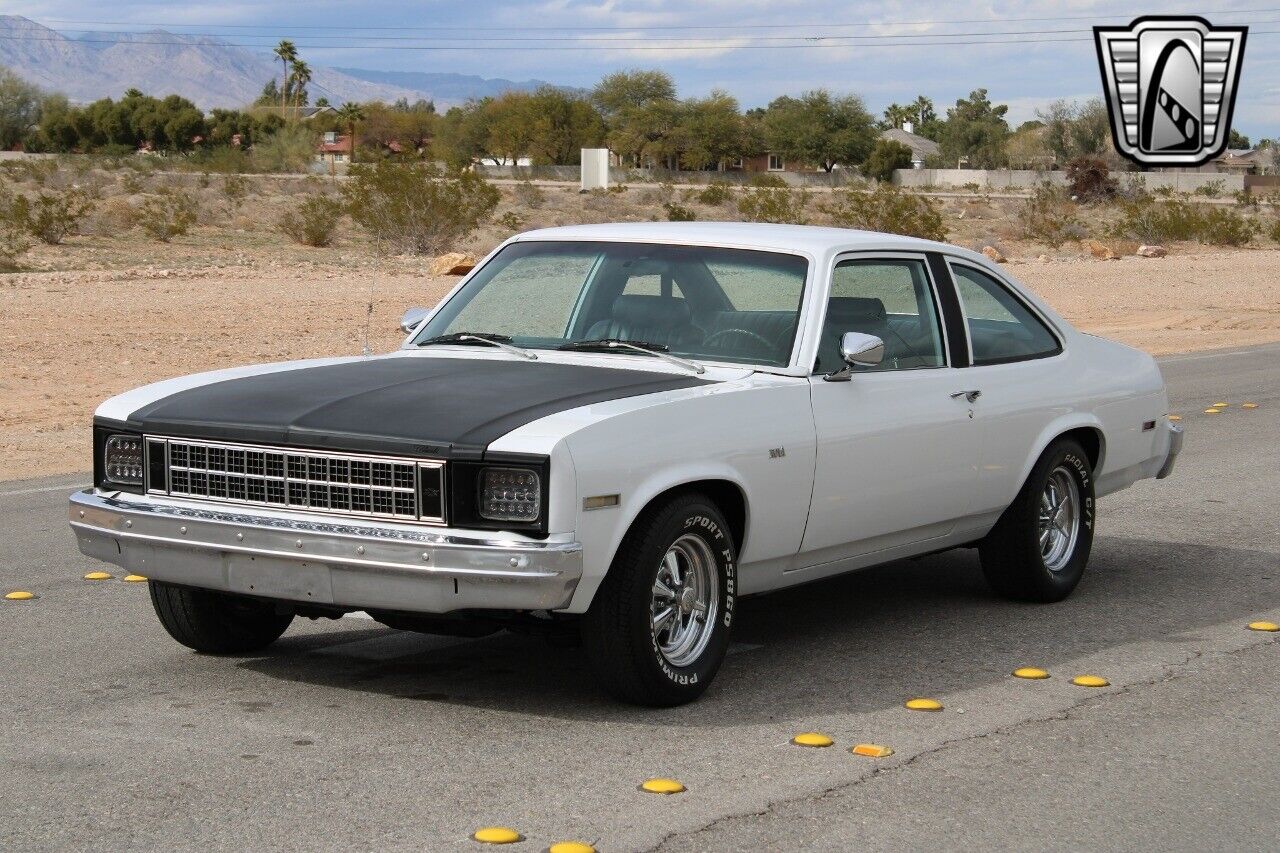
(318, 560)
(1175, 447)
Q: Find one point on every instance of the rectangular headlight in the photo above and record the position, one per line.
(122, 460)
(510, 494)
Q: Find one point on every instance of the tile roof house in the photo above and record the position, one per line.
(921, 148)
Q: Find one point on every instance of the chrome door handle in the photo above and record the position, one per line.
(968, 395)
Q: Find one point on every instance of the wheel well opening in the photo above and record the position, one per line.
(727, 497)
(1091, 440)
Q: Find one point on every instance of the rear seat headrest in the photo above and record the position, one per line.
(650, 311)
(855, 309)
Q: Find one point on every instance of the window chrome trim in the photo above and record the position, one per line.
(1001, 281)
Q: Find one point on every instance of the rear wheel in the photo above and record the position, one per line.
(1039, 547)
(658, 628)
(217, 622)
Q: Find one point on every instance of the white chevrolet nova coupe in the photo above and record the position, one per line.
(613, 432)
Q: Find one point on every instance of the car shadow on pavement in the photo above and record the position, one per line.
(857, 643)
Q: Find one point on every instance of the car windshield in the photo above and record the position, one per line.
(699, 302)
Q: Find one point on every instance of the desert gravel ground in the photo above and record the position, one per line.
(69, 339)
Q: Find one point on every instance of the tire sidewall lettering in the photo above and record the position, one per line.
(711, 530)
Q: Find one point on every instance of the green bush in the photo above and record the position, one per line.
(715, 193)
(1050, 216)
(888, 209)
(511, 220)
(679, 213)
(292, 148)
(414, 208)
(1212, 189)
(235, 188)
(132, 183)
(885, 157)
(529, 195)
(51, 216)
(1149, 220)
(167, 215)
(313, 222)
(765, 179)
(14, 241)
(1274, 230)
(774, 204)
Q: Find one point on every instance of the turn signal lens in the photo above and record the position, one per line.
(122, 460)
(510, 494)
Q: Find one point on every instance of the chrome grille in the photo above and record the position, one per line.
(334, 483)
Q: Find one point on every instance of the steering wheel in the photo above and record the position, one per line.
(714, 338)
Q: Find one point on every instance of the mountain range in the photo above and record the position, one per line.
(207, 71)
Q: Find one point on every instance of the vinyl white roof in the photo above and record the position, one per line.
(809, 239)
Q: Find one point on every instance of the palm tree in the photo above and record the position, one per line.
(301, 77)
(286, 53)
(351, 114)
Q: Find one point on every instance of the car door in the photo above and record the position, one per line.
(897, 450)
(1017, 364)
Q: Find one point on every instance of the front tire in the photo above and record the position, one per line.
(1038, 549)
(659, 626)
(217, 622)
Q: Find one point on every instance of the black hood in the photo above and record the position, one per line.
(445, 407)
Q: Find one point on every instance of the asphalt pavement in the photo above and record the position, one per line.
(348, 735)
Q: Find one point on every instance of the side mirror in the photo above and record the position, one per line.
(412, 318)
(857, 350)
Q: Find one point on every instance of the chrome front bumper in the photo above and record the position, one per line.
(346, 563)
(1175, 447)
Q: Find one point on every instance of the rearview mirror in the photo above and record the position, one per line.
(857, 350)
(412, 318)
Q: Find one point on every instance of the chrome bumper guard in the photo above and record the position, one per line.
(340, 562)
(1175, 447)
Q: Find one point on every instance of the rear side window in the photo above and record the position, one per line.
(1001, 328)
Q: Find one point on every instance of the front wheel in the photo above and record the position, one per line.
(217, 622)
(658, 628)
(1038, 549)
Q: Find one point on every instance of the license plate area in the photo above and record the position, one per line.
(295, 580)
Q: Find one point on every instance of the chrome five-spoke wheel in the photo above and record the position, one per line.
(1059, 519)
(686, 596)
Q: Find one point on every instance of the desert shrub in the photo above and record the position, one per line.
(14, 241)
(413, 207)
(888, 209)
(1050, 216)
(715, 193)
(167, 215)
(617, 189)
(289, 149)
(1152, 221)
(1244, 198)
(510, 220)
(1090, 180)
(774, 204)
(679, 213)
(972, 187)
(203, 181)
(313, 222)
(1212, 189)
(51, 216)
(235, 188)
(113, 217)
(36, 171)
(529, 195)
(885, 157)
(765, 179)
(1273, 230)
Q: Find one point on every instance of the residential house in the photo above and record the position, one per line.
(334, 150)
(921, 148)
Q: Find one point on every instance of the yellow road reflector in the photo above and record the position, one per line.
(496, 835)
(98, 576)
(663, 786)
(1263, 626)
(871, 750)
(1090, 681)
(1030, 672)
(1175, 417)
(1221, 405)
(924, 704)
(1213, 411)
(1248, 405)
(571, 847)
(19, 595)
(134, 578)
(812, 739)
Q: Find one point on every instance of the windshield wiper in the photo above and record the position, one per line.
(502, 342)
(657, 350)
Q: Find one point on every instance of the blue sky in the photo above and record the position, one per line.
(1047, 54)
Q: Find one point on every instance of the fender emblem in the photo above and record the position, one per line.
(777, 452)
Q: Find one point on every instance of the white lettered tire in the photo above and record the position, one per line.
(659, 626)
